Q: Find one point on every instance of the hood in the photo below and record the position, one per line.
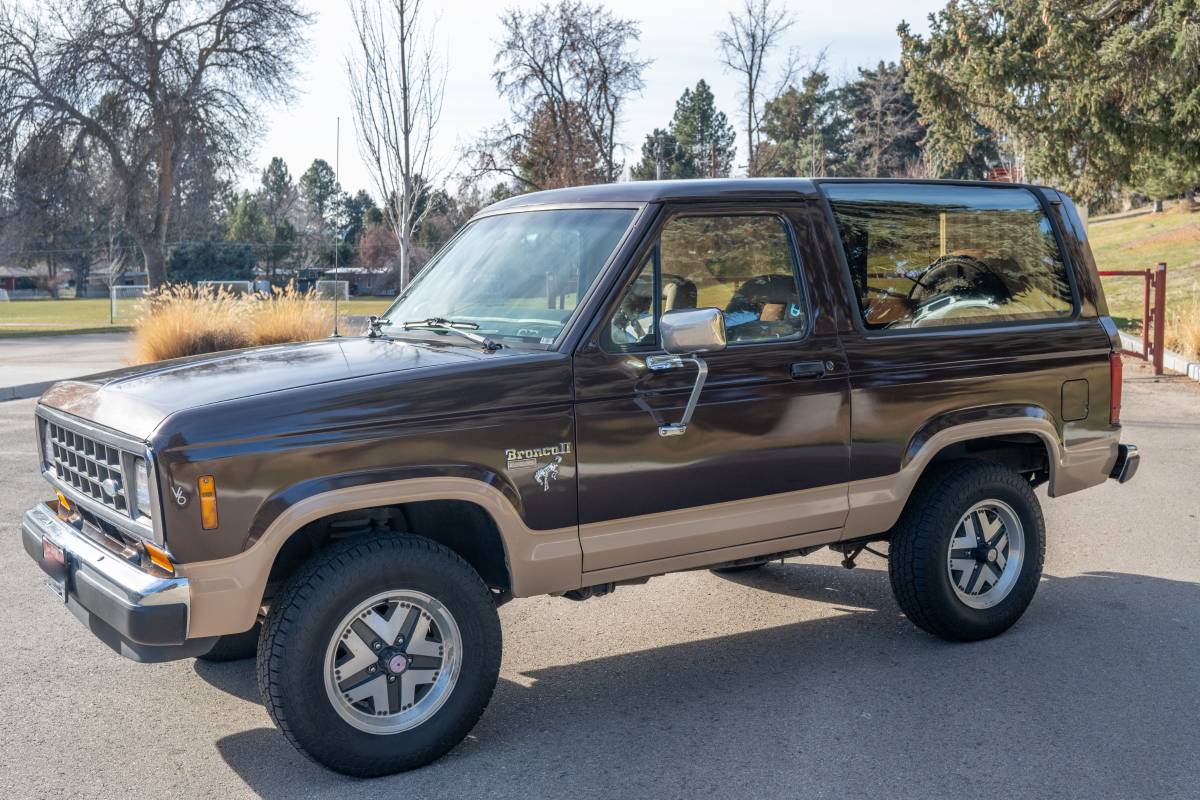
(135, 400)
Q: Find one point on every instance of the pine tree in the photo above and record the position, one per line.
(884, 133)
(698, 143)
(663, 158)
(703, 132)
(805, 129)
(1092, 94)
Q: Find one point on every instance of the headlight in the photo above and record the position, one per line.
(142, 479)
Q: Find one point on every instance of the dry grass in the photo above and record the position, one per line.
(291, 316)
(184, 321)
(1138, 242)
(1183, 329)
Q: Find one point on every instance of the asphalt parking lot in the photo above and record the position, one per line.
(802, 680)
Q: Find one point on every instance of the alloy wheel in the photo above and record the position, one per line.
(987, 550)
(393, 661)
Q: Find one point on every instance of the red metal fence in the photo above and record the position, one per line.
(1154, 315)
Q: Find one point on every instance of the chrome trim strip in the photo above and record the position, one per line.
(106, 435)
(518, 209)
(116, 576)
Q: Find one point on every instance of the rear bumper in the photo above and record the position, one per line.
(1127, 463)
(141, 616)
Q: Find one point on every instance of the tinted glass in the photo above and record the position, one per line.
(517, 276)
(928, 255)
(742, 265)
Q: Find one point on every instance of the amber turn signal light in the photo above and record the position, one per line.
(65, 509)
(206, 485)
(158, 557)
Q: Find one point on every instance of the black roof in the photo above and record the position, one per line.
(663, 191)
(731, 189)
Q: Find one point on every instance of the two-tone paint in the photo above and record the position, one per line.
(776, 458)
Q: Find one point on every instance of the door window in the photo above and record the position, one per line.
(740, 264)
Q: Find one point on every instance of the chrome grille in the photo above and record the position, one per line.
(93, 468)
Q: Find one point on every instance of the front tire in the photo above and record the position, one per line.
(967, 554)
(380, 655)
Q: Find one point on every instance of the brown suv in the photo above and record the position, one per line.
(588, 387)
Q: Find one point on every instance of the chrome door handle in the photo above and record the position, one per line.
(661, 363)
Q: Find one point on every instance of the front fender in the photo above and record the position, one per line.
(227, 593)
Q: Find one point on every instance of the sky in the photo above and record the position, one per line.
(678, 35)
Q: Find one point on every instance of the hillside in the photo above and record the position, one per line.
(1137, 242)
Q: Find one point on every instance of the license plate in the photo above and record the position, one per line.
(54, 562)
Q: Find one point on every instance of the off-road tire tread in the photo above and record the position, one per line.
(914, 555)
(336, 563)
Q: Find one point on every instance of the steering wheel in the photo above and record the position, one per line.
(949, 270)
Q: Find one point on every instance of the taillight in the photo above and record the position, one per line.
(1114, 388)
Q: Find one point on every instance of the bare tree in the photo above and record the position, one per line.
(567, 71)
(139, 77)
(751, 37)
(397, 86)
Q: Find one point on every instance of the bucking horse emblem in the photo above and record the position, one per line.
(547, 473)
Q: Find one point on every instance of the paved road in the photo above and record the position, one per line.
(36, 361)
(801, 681)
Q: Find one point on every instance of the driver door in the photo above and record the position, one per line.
(766, 457)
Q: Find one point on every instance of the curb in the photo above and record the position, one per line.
(1171, 360)
(24, 391)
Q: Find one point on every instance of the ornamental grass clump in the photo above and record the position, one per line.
(290, 315)
(178, 321)
(181, 320)
(1183, 328)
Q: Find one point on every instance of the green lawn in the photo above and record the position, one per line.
(90, 315)
(1142, 241)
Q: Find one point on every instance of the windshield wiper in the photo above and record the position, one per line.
(452, 326)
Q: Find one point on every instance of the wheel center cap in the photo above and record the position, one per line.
(397, 663)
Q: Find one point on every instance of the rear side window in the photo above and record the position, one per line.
(927, 255)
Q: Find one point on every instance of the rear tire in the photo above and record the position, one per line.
(380, 654)
(234, 647)
(967, 554)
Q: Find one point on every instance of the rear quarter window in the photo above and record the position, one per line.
(928, 255)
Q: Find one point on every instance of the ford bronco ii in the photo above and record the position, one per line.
(588, 387)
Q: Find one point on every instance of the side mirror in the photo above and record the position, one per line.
(686, 334)
(693, 330)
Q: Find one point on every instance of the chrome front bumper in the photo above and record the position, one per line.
(142, 616)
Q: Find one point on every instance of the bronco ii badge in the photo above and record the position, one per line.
(529, 459)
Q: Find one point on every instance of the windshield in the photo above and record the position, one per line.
(517, 276)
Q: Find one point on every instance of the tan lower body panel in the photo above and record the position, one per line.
(702, 529)
(227, 593)
(876, 503)
(709, 557)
